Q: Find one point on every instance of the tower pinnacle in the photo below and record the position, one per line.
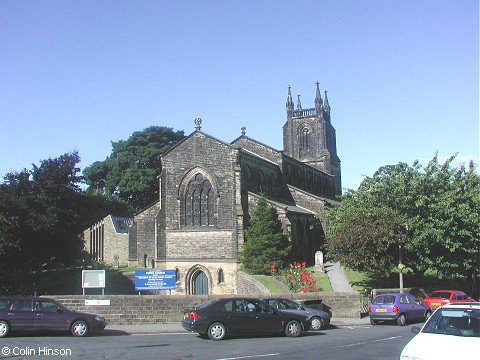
(327, 105)
(318, 99)
(299, 104)
(289, 104)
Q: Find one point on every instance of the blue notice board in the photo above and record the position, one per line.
(155, 280)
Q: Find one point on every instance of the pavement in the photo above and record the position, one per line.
(177, 327)
(337, 277)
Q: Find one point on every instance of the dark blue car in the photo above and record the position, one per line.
(218, 318)
(43, 314)
(319, 319)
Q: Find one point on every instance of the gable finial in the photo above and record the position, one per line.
(244, 128)
(198, 122)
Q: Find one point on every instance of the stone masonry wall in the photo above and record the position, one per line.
(200, 245)
(142, 239)
(200, 153)
(116, 245)
(157, 309)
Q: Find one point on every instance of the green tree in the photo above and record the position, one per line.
(42, 213)
(130, 173)
(265, 244)
(368, 241)
(432, 213)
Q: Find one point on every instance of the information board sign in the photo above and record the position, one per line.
(155, 280)
(93, 279)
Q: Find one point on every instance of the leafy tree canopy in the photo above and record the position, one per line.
(265, 244)
(42, 213)
(130, 173)
(431, 212)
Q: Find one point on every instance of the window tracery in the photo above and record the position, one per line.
(199, 202)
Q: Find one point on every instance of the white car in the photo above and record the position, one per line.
(451, 332)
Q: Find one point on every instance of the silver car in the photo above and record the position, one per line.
(319, 319)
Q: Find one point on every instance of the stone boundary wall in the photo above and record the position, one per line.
(164, 309)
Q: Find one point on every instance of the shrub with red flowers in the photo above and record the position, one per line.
(298, 279)
(273, 270)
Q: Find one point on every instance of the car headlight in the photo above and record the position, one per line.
(99, 318)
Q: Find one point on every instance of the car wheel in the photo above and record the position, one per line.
(293, 328)
(402, 320)
(79, 328)
(316, 323)
(373, 322)
(4, 328)
(427, 315)
(217, 331)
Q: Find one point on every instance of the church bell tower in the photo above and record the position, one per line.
(309, 136)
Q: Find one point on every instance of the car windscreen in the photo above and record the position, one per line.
(207, 304)
(440, 295)
(454, 321)
(384, 300)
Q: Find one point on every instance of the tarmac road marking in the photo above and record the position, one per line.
(249, 356)
(162, 333)
(369, 342)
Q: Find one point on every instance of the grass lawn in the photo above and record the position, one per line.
(357, 279)
(269, 282)
(322, 280)
(128, 269)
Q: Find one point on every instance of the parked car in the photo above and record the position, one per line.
(399, 307)
(235, 316)
(43, 314)
(441, 297)
(318, 318)
(452, 330)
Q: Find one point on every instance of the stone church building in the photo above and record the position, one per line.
(208, 188)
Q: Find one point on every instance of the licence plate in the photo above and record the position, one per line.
(381, 310)
(186, 315)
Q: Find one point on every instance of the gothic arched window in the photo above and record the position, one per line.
(304, 143)
(199, 202)
(305, 136)
(221, 277)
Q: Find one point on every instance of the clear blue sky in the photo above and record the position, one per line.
(402, 76)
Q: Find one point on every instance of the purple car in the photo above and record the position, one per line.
(397, 307)
(43, 314)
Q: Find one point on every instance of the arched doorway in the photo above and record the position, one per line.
(200, 283)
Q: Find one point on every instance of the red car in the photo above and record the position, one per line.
(441, 297)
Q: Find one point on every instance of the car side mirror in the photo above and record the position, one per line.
(415, 329)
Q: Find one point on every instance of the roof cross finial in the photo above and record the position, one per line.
(198, 122)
